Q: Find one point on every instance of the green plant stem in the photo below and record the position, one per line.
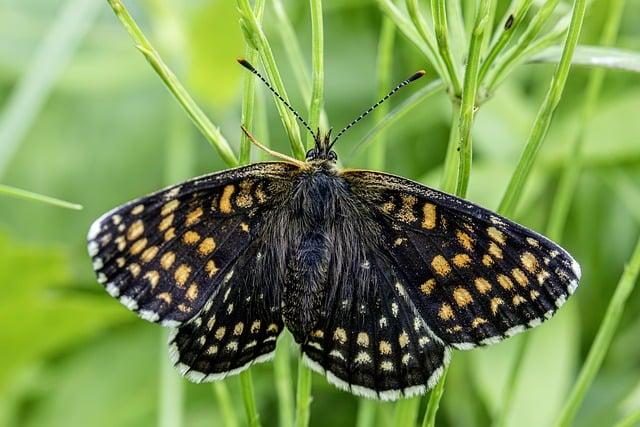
(469, 95)
(210, 132)
(251, 411)
(6, 190)
(225, 404)
(506, 34)
(451, 160)
(25, 101)
(545, 114)
(406, 412)
(303, 395)
(631, 420)
(284, 387)
(377, 152)
(458, 33)
(366, 413)
(248, 99)
(255, 36)
(439, 12)
(434, 401)
(603, 339)
(317, 66)
(171, 395)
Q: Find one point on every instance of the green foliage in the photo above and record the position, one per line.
(103, 129)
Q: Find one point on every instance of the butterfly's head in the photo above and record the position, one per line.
(322, 151)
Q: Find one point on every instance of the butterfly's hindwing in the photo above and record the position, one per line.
(237, 327)
(475, 277)
(165, 254)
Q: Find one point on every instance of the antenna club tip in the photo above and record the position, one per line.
(246, 64)
(417, 75)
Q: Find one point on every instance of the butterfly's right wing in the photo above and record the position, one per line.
(165, 255)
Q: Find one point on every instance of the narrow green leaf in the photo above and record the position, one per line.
(594, 56)
(28, 195)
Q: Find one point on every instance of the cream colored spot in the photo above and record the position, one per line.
(520, 277)
(465, 240)
(505, 282)
(193, 217)
(399, 241)
(542, 276)
(534, 295)
(487, 261)
(495, 303)
(518, 299)
(406, 358)
(212, 350)
(388, 207)
(169, 207)
(477, 322)
(446, 312)
(496, 235)
(225, 200)
(340, 335)
(137, 210)
(363, 339)
(138, 246)
(403, 339)
(529, 261)
(167, 260)
(440, 265)
(482, 285)
(207, 246)
(166, 222)
(462, 297)
(220, 333)
(170, 234)
(211, 268)
(184, 308)
(427, 287)
(149, 254)
(121, 243)
(385, 347)
(192, 292)
(533, 242)
(121, 261)
(386, 366)
(429, 216)
(272, 328)
(495, 250)
(406, 213)
(245, 227)
(211, 322)
(116, 219)
(191, 237)
(244, 200)
(260, 194)
(255, 327)
(461, 260)
(237, 330)
(134, 269)
(135, 230)
(318, 333)
(153, 277)
(362, 357)
(182, 274)
(166, 297)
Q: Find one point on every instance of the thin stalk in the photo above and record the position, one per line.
(516, 16)
(603, 339)
(303, 395)
(451, 160)
(366, 413)
(248, 99)
(171, 392)
(284, 387)
(317, 66)
(469, 95)
(458, 33)
(254, 34)
(248, 397)
(406, 412)
(18, 193)
(439, 12)
(434, 401)
(545, 115)
(377, 152)
(32, 90)
(225, 404)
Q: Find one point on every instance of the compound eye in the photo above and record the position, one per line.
(311, 154)
(332, 156)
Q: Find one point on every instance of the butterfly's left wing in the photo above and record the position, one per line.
(474, 276)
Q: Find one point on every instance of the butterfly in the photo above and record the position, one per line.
(376, 277)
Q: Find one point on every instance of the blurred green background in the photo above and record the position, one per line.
(100, 129)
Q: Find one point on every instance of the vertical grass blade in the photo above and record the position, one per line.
(225, 404)
(33, 88)
(406, 412)
(603, 339)
(439, 12)
(317, 67)
(284, 386)
(303, 395)
(545, 114)
(248, 397)
(434, 402)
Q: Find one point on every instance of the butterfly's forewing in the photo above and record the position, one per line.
(165, 255)
(372, 341)
(474, 277)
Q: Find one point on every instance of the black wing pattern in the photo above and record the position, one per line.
(473, 276)
(165, 255)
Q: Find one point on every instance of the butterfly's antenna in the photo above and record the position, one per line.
(246, 64)
(402, 84)
(272, 152)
